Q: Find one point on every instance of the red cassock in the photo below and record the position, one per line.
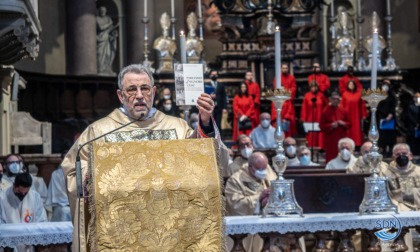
(332, 136)
(307, 112)
(342, 83)
(254, 90)
(322, 79)
(356, 109)
(288, 81)
(244, 106)
(287, 112)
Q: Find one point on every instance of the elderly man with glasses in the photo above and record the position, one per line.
(136, 92)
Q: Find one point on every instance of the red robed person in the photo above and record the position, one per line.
(288, 81)
(310, 114)
(342, 83)
(243, 108)
(334, 124)
(254, 91)
(322, 79)
(356, 109)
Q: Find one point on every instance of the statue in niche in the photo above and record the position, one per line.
(106, 42)
(165, 46)
(194, 46)
(346, 43)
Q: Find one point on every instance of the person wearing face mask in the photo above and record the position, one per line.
(386, 114)
(247, 193)
(402, 176)
(20, 204)
(345, 156)
(263, 135)
(304, 156)
(362, 164)
(334, 124)
(167, 104)
(218, 96)
(12, 166)
(245, 150)
(290, 151)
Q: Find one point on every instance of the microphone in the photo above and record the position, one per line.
(78, 164)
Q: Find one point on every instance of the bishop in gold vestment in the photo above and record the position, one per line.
(136, 92)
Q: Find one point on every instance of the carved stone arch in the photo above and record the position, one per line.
(115, 10)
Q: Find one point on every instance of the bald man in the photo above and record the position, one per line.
(362, 165)
(263, 135)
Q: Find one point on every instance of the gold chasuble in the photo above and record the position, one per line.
(162, 195)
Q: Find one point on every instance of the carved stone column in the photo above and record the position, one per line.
(135, 30)
(81, 37)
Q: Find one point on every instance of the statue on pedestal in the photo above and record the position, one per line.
(193, 45)
(106, 42)
(346, 43)
(165, 46)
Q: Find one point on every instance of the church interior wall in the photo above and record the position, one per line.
(51, 58)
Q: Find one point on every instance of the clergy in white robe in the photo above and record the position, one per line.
(57, 197)
(263, 135)
(245, 150)
(345, 156)
(20, 204)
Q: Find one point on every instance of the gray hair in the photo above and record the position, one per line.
(346, 140)
(240, 138)
(302, 148)
(134, 68)
(401, 145)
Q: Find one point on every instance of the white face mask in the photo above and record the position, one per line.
(168, 107)
(291, 150)
(246, 152)
(260, 174)
(265, 123)
(345, 154)
(166, 97)
(385, 88)
(14, 168)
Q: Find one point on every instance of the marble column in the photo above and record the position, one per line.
(135, 30)
(81, 37)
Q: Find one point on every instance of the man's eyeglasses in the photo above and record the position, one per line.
(17, 162)
(145, 90)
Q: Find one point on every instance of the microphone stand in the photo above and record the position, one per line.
(313, 126)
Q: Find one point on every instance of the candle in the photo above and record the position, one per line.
(182, 46)
(388, 8)
(374, 59)
(172, 8)
(199, 9)
(145, 8)
(277, 56)
(332, 8)
(359, 8)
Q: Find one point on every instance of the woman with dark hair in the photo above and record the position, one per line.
(356, 110)
(313, 104)
(243, 110)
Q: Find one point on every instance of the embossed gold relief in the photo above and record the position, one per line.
(157, 196)
(142, 135)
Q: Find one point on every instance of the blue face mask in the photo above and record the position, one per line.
(304, 160)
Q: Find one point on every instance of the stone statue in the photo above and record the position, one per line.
(346, 43)
(106, 42)
(194, 46)
(165, 46)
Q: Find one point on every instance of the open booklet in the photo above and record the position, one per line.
(308, 127)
